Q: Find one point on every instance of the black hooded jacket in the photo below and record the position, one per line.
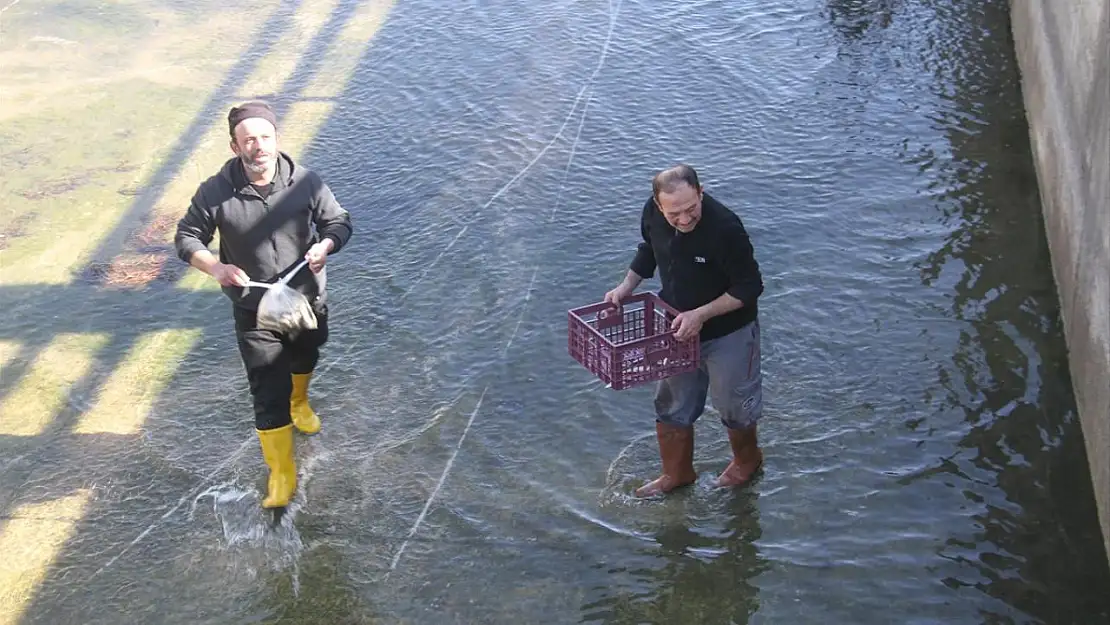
(265, 236)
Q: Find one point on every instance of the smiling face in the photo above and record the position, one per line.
(255, 144)
(680, 205)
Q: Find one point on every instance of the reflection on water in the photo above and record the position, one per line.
(696, 572)
(924, 462)
(1034, 548)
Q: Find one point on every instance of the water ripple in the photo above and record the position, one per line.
(921, 439)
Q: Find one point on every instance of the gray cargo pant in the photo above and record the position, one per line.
(729, 371)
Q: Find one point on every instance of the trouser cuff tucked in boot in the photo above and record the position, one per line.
(676, 450)
(304, 418)
(277, 450)
(747, 458)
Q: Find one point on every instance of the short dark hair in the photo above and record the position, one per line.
(666, 180)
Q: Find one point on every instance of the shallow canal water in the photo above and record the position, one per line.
(925, 462)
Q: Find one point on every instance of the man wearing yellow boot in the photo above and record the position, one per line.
(708, 272)
(270, 213)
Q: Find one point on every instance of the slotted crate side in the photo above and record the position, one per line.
(618, 354)
(631, 328)
(635, 368)
(589, 349)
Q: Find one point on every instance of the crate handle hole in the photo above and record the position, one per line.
(609, 317)
(656, 355)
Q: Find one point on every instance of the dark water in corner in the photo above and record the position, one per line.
(925, 462)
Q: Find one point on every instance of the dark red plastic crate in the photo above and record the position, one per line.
(633, 347)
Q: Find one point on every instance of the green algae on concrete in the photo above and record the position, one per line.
(99, 95)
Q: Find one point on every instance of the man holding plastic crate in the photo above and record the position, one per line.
(270, 213)
(708, 272)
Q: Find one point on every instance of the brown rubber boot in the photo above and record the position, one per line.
(676, 449)
(747, 458)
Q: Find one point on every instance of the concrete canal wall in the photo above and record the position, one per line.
(1063, 50)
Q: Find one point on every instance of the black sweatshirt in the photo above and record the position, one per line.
(697, 267)
(265, 237)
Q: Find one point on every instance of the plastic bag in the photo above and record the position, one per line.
(283, 309)
(286, 311)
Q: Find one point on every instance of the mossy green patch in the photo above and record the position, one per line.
(73, 21)
(126, 396)
(41, 394)
(101, 94)
(80, 173)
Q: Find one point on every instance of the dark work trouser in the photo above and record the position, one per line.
(270, 359)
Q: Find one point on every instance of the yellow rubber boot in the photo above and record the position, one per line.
(277, 450)
(303, 416)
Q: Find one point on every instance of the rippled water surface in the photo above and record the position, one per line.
(925, 463)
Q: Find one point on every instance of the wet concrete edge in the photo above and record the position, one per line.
(1063, 51)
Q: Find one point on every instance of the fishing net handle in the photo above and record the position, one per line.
(282, 282)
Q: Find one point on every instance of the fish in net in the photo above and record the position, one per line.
(284, 309)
